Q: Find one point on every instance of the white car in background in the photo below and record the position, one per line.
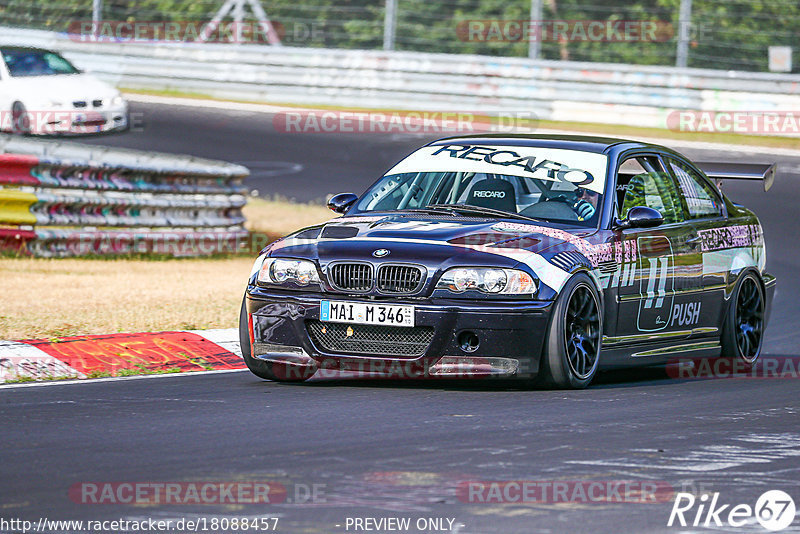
(42, 93)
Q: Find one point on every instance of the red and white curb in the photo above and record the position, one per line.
(104, 355)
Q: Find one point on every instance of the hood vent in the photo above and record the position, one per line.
(608, 267)
(339, 232)
(569, 261)
(311, 233)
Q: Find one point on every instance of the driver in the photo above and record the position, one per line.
(585, 205)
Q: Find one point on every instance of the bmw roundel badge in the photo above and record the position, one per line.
(380, 253)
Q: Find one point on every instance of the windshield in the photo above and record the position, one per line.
(537, 183)
(22, 63)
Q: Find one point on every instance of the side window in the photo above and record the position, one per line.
(701, 199)
(641, 181)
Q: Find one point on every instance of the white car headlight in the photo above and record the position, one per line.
(117, 100)
(281, 271)
(487, 280)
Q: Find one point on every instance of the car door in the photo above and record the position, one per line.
(705, 212)
(663, 266)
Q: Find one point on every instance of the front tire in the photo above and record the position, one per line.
(267, 370)
(572, 348)
(743, 329)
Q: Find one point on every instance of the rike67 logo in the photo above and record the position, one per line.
(774, 510)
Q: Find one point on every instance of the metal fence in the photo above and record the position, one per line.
(716, 34)
(557, 90)
(66, 199)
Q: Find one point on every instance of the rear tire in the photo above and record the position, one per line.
(574, 337)
(266, 370)
(743, 328)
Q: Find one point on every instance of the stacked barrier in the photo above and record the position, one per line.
(66, 199)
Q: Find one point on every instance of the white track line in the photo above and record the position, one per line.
(114, 379)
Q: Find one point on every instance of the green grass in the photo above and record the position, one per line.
(142, 370)
(137, 371)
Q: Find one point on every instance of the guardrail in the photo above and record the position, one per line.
(66, 199)
(558, 90)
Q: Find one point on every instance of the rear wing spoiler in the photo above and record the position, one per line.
(740, 171)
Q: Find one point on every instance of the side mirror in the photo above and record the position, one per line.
(640, 217)
(341, 203)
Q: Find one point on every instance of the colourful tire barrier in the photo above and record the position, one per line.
(120, 354)
(15, 207)
(15, 239)
(79, 200)
(17, 169)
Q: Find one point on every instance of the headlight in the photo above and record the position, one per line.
(487, 280)
(281, 271)
(117, 101)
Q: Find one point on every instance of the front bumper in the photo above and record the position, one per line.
(78, 122)
(510, 336)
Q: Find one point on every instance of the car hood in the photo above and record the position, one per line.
(434, 241)
(64, 88)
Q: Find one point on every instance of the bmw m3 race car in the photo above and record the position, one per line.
(41, 93)
(543, 258)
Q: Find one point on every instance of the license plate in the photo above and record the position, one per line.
(366, 313)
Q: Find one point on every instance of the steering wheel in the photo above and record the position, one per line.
(552, 207)
(556, 198)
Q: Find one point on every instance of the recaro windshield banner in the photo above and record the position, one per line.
(583, 169)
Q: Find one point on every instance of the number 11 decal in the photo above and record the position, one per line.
(656, 271)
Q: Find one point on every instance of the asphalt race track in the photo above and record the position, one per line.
(388, 449)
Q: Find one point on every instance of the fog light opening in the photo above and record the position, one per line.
(468, 341)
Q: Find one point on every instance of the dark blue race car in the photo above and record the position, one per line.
(542, 258)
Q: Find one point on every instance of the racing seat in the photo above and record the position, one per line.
(634, 194)
(493, 193)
